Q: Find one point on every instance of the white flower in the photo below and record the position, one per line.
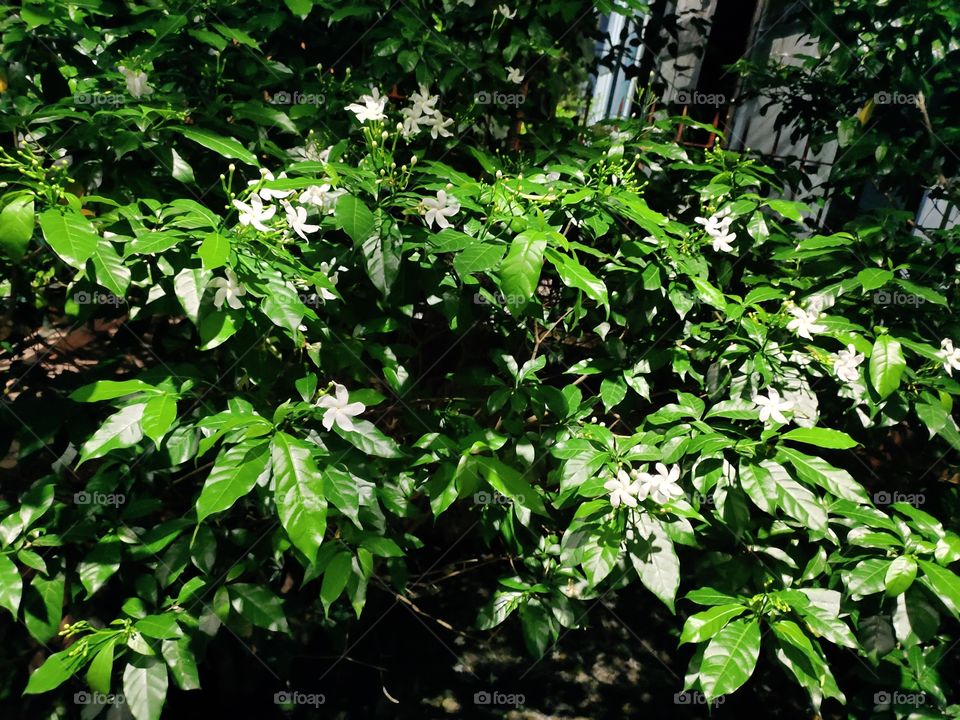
(310, 152)
(717, 226)
(325, 268)
(772, 407)
(269, 194)
(439, 209)
(623, 491)
(372, 106)
(322, 196)
(804, 322)
(663, 486)
(229, 290)
(297, 220)
(423, 102)
(254, 213)
(507, 12)
(721, 242)
(498, 131)
(514, 75)
(438, 125)
(845, 364)
(136, 82)
(949, 356)
(339, 408)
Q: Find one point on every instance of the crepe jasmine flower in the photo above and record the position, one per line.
(269, 194)
(229, 291)
(325, 268)
(322, 196)
(297, 220)
(507, 12)
(662, 486)
(423, 102)
(339, 409)
(623, 491)
(136, 82)
(438, 125)
(804, 322)
(514, 75)
(254, 214)
(772, 407)
(439, 209)
(845, 364)
(949, 356)
(369, 107)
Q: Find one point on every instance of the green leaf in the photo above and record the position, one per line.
(867, 578)
(181, 662)
(181, 169)
(70, 235)
(478, 258)
(258, 606)
(335, 577)
(145, 688)
(821, 437)
(160, 627)
(900, 575)
(709, 294)
(815, 471)
(801, 504)
(873, 278)
(730, 658)
(300, 8)
(704, 625)
(575, 275)
(343, 490)
(56, 669)
(944, 584)
(510, 483)
(367, 437)
(101, 668)
(354, 218)
(189, 285)
(120, 430)
(43, 606)
(100, 564)
(655, 560)
(235, 473)
(520, 270)
(110, 390)
(109, 268)
(214, 251)
(224, 146)
(805, 660)
(298, 493)
(886, 365)
(158, 415)
(16, 226)
(382, 259)
(11, 586)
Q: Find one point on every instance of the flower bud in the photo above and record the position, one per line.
(231, 167)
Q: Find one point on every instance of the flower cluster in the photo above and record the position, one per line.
(631, 488)
(423, 111)
(845, 364)
(804, 323)
(717, 226)
(949, 356)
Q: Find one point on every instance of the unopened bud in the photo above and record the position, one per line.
(231, 167)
